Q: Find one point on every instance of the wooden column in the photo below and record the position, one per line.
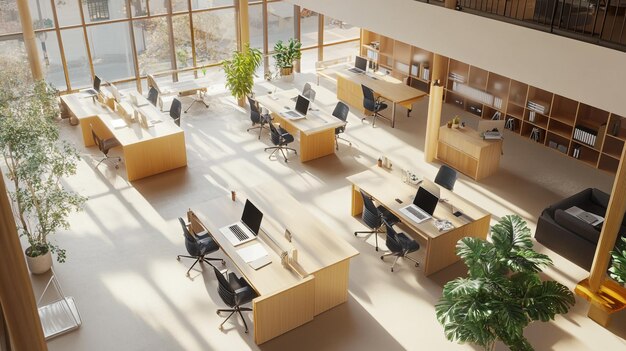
(320, 37)
(435, 102)
(29, 39)
(16, 293)
(297, 29)
(244, 23)
(440, 66)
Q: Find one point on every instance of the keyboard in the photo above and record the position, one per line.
(421, 215)
(492, 135)
(240, 234)
(355, 70)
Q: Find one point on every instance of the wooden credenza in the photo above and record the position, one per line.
(466, 151)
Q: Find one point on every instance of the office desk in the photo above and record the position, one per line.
(385, 187)
(466, 151)
(286, 300)
(316, 132)
(391, 89)
(146, 152)
(185, 87)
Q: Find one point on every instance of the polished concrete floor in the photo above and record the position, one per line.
(133, 294)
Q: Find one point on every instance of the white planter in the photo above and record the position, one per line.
(40, 264)
(287, 78)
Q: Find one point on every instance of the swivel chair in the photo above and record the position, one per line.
(175, 110)
(399, 245)
(198, 247)
(257, 117)
(373, 217)
(370, 103)
(104, 145)
(341, 112)
(280, 138)
(234, 292)
(153, 96)
(446, 177)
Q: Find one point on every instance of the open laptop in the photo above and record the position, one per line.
(423, 206)
(96, 87)
(247, 228)
(302, 107)
(360, 65)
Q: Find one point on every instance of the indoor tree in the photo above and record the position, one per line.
(503, 292)
(617, 270)
(240, 70)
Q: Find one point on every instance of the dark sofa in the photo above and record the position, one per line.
(569, 236)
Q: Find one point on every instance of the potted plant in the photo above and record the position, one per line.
(503, 292)
(617, 271)
(456, 121)
(240, 72)
(285, 54)
(36, 163)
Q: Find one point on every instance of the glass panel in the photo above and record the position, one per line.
(205, 4)
(182, 41)
(341, 50)
(41, 13)
(179, 5)
(336, 30)
(138, 8)
(67, 12)
(14, 49)
(158, 7)
(255, 13)
(76, 57)
(308, 27)
(50, 57)
(103, 10)
(308, 59)
(215, 35)
(279, 22)
(9, 17)
(111, 51)
(153, 45)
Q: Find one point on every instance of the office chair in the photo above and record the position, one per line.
(198, 97)
(175, 110)
(341, 112)
(373, 217)
(198, 247)
(104, 145)
(446, 177)
(153, 96)
(234, 292)
(280, 138)
(257, 117)
(370, 103)
(399, 245)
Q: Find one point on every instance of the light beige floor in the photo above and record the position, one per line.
(133, 294)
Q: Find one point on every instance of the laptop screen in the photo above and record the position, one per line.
(252, 217)
(360, 63)
(302, 105)
(426, 200)
(96, 83)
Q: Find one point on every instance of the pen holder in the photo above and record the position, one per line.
(233, 195)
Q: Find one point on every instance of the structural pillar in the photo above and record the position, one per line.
(244, 23)
(30, 42)
(435, 102)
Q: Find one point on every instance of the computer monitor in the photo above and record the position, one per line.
(96, 83)
(489, 125)
(116, 93)
(360, 63)
(252, 217)
(426, 200)
(302, 105)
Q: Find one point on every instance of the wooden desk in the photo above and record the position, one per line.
(148, 151)
(391, 89)
(186, 87)
(285, 299)
(466, 151)
(440, 248)
(316, 132)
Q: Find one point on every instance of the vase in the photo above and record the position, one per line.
(39, 264)
(455, 125)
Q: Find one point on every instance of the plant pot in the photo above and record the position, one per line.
(286, 74)
(455, 126)
(39, 264)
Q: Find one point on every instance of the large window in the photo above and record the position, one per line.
(76, 57)
(111, 51)
(215, 36)
(9, 17)
(152, 41)
(280, 23)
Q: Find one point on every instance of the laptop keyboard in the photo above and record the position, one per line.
(417, 213)
(293, 113)
(240, 234)
(355, 70)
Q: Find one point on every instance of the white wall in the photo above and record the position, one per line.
(589, 73)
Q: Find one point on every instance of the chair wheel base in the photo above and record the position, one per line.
(178, 259)
(187, 274)
(376, 248)
(223, 263)
(392, 269)
(246, 332)
(382, 258)
(218, 313)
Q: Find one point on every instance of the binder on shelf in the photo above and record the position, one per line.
(616, 127)
(426, 73)
(576, 152)
(510, 123)
(496, 116)
(601, 131)
(586, 135)
(531, 116)
(415, 69)
(535, 134)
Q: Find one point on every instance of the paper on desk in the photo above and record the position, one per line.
(118, 123)
(252, 252)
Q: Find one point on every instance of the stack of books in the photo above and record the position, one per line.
(457, 77)
(585, 135)
(473, 93)
(497, 102)
(538, 106)
(531, 116)
(426, 73)
(576, 152)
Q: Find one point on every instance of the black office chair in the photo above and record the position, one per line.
(373, 217)
(341, 112)
(234, 292)
(257, 117)
(370, 103)
(198, 247)
(399, 245)
(446, 177)
(153, 96)
(280, 138)
(175, 110)
(104, 145)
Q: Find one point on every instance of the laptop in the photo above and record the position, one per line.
(360, 65)
(491, 129)
(96, 87)
(302, 107)
(423, 206)
(247, 228)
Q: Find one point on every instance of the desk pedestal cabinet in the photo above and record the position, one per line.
(467, 152)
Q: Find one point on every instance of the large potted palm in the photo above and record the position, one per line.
(36, 164)
(285, 54)
(503, 292)
(240, 70)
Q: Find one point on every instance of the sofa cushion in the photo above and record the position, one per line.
(576, 226)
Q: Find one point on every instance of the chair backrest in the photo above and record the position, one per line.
(369, 101)
(341, 111)
(153, 95)
(224, 289)
(255, 113)
(97, 140)
(274, 134)
(306, 88)
(175, 110)
(190, 241)
(446, 177)
(392, 242)
(371, 215)
(310, 95)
